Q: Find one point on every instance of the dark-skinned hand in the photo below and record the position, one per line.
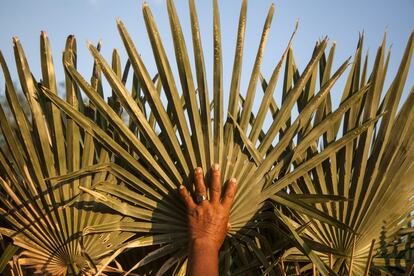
(207, 221)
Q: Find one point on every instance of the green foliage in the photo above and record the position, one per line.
(91, 188)
(45, 218)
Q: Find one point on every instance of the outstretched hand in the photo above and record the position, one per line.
(207, 220)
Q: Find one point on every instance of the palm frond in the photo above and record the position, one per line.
(46, 218)
(91, 187)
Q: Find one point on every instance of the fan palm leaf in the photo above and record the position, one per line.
(160, 148)
(92, 187)
(374, 171)
(45, 218)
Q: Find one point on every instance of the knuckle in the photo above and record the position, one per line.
(230, 195)
(199, 212)
(199, 177)
(215, 188)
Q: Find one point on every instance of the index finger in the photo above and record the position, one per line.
(188, 200)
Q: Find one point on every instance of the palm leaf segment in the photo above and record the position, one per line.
(374, 171)
(46, 218)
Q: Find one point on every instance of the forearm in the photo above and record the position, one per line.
(202, 259)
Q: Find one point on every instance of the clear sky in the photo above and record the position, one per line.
(94, 20)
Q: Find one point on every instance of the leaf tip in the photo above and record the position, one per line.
(89, 44)
(297, 23)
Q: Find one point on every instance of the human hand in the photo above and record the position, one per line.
(208, 219)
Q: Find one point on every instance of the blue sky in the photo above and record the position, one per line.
(94, 20)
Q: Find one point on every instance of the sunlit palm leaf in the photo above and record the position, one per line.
(374, 172)
(46, 218)
(244, 149)
(85, 190)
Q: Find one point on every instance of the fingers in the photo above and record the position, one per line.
(199, 182)
(230, 193)
(188, 200)
(215, 188)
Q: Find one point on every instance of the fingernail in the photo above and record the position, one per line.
(216, 167)
(198, 170)
(233, 180)
(181, 187)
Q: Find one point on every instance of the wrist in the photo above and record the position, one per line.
(205, 246)
(202, 258)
